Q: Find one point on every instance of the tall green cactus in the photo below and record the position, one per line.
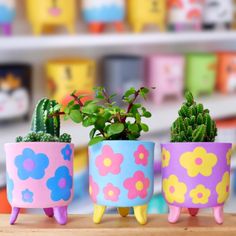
(194, 123)
(41, 121)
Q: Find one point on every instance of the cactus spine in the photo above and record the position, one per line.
(194, 123)
(41, 121)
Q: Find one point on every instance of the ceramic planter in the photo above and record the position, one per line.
(45, 15)
(142, 13)
(218, 13)
(121, 175)
(226, 80)
(166, 73)
(7, 15)
(15, 91)
(68, 75)
(201, 73)
(185, 14)
(196, 175)
(120, 72)
(101, 12)
(40, 175)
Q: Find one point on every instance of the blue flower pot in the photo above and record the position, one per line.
(121, 175)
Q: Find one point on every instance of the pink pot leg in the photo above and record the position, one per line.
(6, 29)
(60, 214)
(14, 214)
(219, 214)
(49, 212)
(174, 214)
(193, 211)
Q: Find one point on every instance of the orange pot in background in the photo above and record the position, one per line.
(5, 207)
(226, 82)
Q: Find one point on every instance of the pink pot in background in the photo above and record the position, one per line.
(40, 175)
(166, 73)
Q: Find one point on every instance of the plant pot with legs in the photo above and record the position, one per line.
(120, 167)
(40, 166)
(195, 169)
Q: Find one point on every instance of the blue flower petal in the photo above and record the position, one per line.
(66, 152)
(27, 196)
(10, 188)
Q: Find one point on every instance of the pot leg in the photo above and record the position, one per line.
(96, 28)
(60, 214)
(174, 214)
(14, 214)
(193, 211)
(140, 213)
(123, 211)
(71, 28)
(98, 213)
(49, 212)
(219, 214)
(137, 27)
(7, 29)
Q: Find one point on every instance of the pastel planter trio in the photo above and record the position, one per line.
(7, 16)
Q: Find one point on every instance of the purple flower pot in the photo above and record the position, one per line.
(196, 175)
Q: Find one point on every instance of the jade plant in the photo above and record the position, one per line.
(107, 120)
(194, 123)
(45, 128)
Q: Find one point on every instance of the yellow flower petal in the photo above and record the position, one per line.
(198, 162)
(165, 158)
(228, 156)
(200, 194)
(222, 188)
(174, 190)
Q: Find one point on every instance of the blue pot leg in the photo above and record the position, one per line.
(140, 213)
(60, 214)
(14, 214)
(98, 213)
(123, 211)
(49, 212)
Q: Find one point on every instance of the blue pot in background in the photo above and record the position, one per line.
(7, 15)
(121, 175)
(100, 12)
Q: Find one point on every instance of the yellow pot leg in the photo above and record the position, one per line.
(37, 29)
(140, 213)
(137, 27)
(123, 211)
(98, 213)
(162, 27)
(71, 27)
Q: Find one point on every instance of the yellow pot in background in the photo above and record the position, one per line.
(45, 14)
(68, 75)
(141, 13)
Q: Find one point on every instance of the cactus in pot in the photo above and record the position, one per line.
(195, 169)
(40, 166)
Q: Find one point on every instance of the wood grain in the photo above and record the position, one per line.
(34, 225)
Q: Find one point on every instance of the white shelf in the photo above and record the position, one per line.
(30, 42)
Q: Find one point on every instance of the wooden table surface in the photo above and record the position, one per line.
(35, 225)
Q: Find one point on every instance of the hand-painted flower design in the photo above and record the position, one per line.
(200, 194)
(111, 193)
(198, 162)
(141, 155)
(174, 190)
(137, 185)
(108, 161)
(165, 158)
(228, 156)
(93, 189)
(31, 165)
(61, 184)
(223, 188)
(66, 152)
(27, 196)
(10, 188)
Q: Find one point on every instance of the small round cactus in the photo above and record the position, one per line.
(65, 138)
(194, 123)
(19, 139)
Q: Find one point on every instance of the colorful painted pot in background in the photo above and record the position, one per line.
(226, 80)
(142, 13)
(40, 175)
(45, 15)
(15, 91)
(67, 75)
(185, 14)
(120, 72)
(218, 13)
(121, 175)
(201, 73)
(166, 74)
(101, 12)
(7, 15)
(196, 175)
